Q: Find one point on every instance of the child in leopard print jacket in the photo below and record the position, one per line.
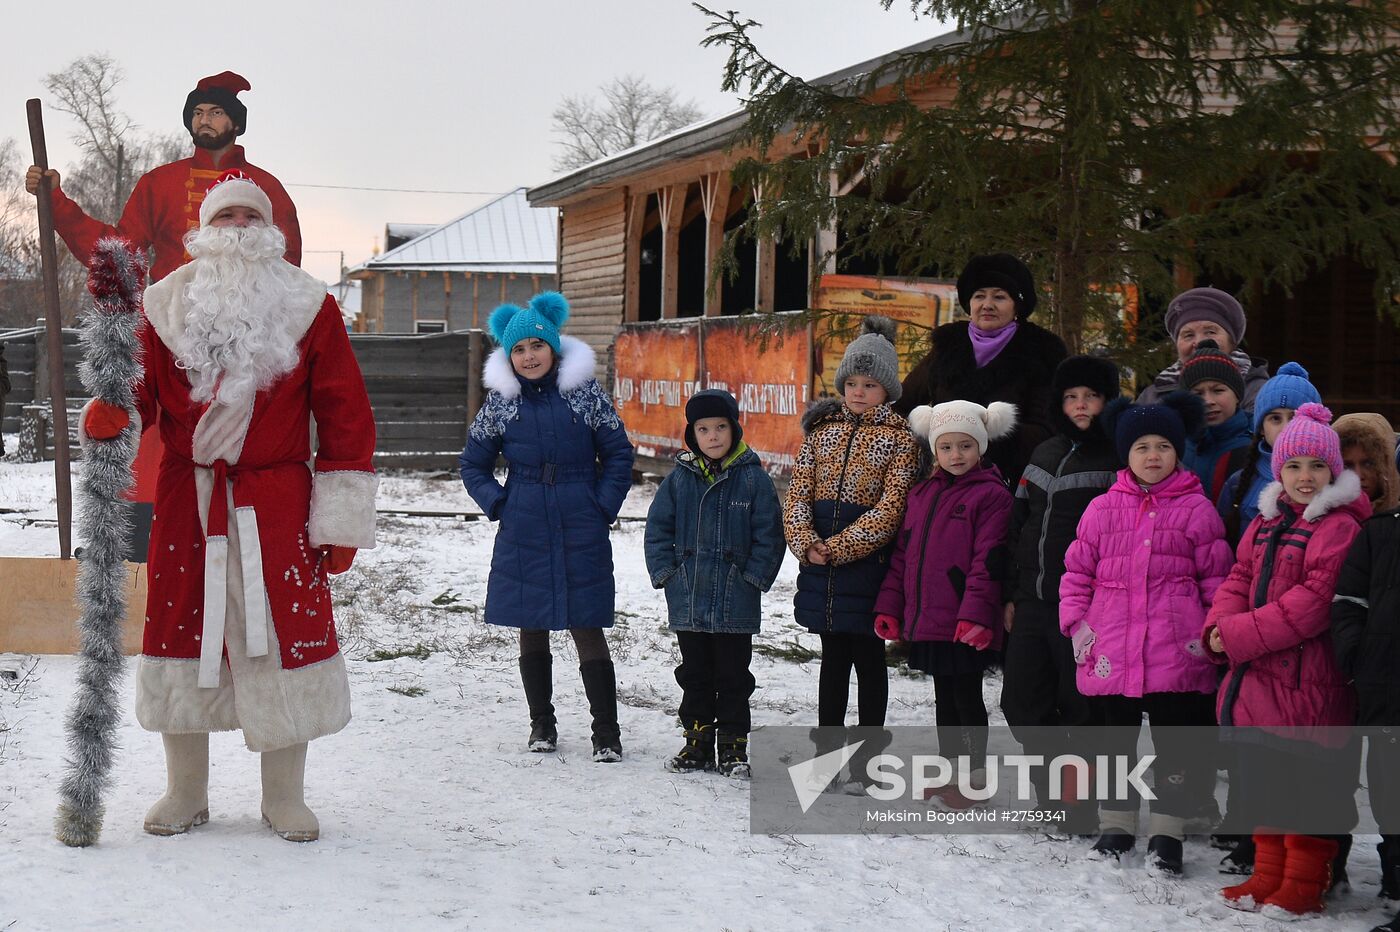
(844, 506)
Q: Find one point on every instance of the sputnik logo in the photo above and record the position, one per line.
(811, 777)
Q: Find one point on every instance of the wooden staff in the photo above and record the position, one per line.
(53, 320)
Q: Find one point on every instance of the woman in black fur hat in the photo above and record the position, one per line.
(997, 355)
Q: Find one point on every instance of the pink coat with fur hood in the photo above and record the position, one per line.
(1141, 573)
(1283, 674)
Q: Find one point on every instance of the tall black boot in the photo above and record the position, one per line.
(537, 675)
(600, 685)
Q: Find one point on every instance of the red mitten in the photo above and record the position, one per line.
(338, 559)
(888, 627)
(973, 635)
(104, 421)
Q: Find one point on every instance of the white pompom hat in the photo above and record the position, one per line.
(993, 422)
(234, 189)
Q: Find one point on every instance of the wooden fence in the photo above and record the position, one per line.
(424, 390)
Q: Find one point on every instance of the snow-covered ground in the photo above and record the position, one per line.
(434, 815)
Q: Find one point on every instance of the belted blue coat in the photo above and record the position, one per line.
(569, 469)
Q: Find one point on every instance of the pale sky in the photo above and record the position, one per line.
(411, 94)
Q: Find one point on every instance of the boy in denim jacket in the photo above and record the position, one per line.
(714, 542)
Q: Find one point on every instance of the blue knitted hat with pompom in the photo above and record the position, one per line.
(1289, 388)
(541, 321)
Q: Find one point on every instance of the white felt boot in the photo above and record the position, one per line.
(283, 803)
(186, 799)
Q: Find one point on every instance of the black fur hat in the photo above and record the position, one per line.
(1000, 270)
(221, 89)
(1098, 373)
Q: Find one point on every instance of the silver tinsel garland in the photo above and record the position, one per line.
(111, 368)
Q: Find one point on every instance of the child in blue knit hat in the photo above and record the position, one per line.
(1274, 407)
(569, 468)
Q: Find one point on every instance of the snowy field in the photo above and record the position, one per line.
(434, 815)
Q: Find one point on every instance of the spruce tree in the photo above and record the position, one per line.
(1149, 142)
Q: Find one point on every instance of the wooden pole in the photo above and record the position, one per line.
(53, 326)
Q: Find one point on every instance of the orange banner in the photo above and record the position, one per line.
(924, 302)
(657, 368)
(771, 385)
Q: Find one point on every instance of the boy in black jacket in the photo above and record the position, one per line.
(1064, 475)
(1366, 637)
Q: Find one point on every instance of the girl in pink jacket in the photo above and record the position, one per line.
(1285, 704)
(1148, 557)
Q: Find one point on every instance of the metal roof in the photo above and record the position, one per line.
(706, 136)
(503, 235)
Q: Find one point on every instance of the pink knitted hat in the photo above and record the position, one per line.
(1308, 434)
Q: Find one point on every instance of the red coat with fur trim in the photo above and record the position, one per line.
(295, 509)
(1274, 615)
(164, 206)
(239, 632)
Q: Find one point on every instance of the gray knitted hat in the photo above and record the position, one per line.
(872, 354)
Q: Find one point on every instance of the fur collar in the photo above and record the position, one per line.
(575, 368)
(831, 409)
(1341, 492)
(166, 305)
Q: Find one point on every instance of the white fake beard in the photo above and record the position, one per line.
(235, 340)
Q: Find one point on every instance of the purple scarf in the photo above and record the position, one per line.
(987, 343)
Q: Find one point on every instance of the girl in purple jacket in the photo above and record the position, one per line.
(1148, 556)
(943, 588)
(1285, 703)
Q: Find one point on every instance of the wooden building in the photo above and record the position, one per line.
(641, 230)
(452, 276)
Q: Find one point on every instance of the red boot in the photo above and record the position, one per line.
(1267, 876)
(1307, 873)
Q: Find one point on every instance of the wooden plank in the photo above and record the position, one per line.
(600, 226)
(443, 434)
(615, 245)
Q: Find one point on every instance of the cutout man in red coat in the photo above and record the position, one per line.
(163, 207)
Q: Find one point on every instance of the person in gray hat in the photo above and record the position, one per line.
(1201, 314)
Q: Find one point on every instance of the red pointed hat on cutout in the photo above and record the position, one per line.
(221, 89)
(234, 189)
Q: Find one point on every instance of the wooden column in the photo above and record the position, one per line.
(447, 301)
(632, 263)
(765, 256)
(672, 202)
(476, 300)
(714, 195)
(413, 298)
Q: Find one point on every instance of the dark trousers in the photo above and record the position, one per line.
(715, 680)
(1293, 787)
(1039, 695)
(1383, 777)
(961, 717)
(1183, 774)
(841, 652)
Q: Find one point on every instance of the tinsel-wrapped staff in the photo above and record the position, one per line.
(110, 370)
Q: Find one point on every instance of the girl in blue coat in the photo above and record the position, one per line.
(569, 467)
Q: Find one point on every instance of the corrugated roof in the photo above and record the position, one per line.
(506, 234)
